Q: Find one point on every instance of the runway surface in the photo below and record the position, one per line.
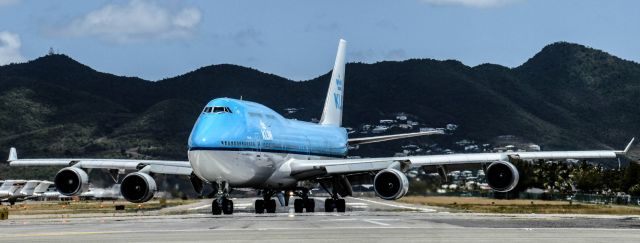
(367, 220)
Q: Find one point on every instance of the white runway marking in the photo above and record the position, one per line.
(242, 205)
(201, 207)
(375, 222)
(238, 205)
(396, 205)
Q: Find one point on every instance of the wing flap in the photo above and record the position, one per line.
(170, 170)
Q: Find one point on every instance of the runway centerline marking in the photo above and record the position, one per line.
(396, 206)
(375, 222)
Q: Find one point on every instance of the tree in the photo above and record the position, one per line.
(588, 178)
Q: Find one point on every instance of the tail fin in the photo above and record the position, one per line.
(332, 112)
(13, 155)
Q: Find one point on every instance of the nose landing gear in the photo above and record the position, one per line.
(222, 204)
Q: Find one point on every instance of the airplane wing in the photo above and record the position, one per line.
(308, 169)
(153, 166)
(366, 140)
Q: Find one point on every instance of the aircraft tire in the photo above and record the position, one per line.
(215, 208)
(341, 206)
(298, 205)
(270, 206)
(227, 206)
(259, 206)
(310, 205)
(329, 205)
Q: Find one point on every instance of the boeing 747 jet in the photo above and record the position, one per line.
(242, 144)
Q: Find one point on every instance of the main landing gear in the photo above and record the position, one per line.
(266, 204)
(334, 203)
(222, 204)
(302, 204)
(338, 204)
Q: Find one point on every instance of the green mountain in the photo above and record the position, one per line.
(567, 96)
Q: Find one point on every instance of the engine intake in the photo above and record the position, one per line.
(390, 184)
(138, 187)
(71, 181)
(502, 176)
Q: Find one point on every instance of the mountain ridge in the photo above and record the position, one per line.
(57, 106)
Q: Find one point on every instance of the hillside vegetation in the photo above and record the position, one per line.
(567, 96)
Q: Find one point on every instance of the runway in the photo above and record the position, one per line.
(368, 220)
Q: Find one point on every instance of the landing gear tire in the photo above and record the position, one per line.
(270, 206)
(260, 206)
(298, 205)
(310, 205)
(341, 206)
(215, 207)
(329, 205)
(227, 206)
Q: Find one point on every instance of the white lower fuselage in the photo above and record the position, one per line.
(246, 169)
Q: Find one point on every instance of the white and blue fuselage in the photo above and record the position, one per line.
(245, 144)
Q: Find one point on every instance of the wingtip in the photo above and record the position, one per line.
(626, 149)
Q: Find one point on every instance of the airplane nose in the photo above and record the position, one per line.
(201, 135)
(198, 139)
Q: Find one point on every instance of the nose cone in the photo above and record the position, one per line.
(205, 132)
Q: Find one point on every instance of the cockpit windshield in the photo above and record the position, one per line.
(217, 109)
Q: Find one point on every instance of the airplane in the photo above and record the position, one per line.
(42, 191)
(10, 190)
(242, 144)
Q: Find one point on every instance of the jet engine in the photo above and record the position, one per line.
(390, 184)
(138, 187)
(502, 176)
(71, 181)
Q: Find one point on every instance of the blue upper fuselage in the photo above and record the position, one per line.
(230, 124)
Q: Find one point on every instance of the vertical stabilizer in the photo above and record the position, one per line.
(332, 112)
(13, 155)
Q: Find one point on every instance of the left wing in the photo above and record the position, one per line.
(306, 169)
(366, 140)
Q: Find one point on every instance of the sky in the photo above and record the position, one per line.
(297, 39)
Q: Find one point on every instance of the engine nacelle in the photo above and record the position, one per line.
(138, 187)
(502, 176)
(71, 181)
(390, 184)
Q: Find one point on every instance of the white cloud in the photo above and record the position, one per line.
(10, 48)
(7, 2)
(134, 21)
(471, 3)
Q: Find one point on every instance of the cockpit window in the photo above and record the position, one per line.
(217, 109)
(221, 109)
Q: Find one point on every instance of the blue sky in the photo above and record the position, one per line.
(298, 39)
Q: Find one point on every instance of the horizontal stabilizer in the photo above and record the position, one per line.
(376, 139)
